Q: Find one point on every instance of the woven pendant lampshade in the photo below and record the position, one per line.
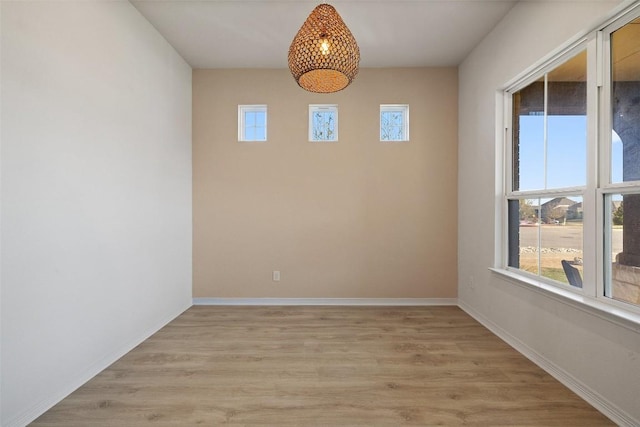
(324, 55)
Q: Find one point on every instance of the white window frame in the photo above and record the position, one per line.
(242, 109)
(314, 108)
(580, 191)
(404, 110)
(598, 184)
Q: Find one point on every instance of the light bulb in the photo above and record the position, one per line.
(324, 46)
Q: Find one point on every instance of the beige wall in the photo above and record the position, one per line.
(353, 219)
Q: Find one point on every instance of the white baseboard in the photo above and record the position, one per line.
(327, 301)
(47, 403)
(610, 410)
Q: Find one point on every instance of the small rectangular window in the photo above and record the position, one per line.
(394, 122)
(323, 123)
(252, 123)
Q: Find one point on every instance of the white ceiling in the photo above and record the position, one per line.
(257, 33)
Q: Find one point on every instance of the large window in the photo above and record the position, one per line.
(572, 199)
(549, 145)
(621, 195)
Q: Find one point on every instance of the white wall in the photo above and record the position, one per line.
(96, 193)
(600, 356)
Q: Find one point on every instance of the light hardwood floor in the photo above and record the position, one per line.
(329, 366)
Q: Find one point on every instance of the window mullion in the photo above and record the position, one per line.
(604, 114)
(504, 159)
(545, 128)
(592, 247)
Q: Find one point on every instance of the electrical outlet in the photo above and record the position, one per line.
(276, 275)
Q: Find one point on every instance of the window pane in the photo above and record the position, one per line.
(616, 157)
(391, 126)
(566, 151)
(622, 244)
(386, 126)
(528, 137)
(561, 240)
(545, 238)
(260, 133)
(625, 102)
(530, 162)
(567, 123)
(550, 129)
(249, 119)
(260, 118)
(524, 230)
(323, 126)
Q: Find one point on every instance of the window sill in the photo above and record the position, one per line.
(610, 313)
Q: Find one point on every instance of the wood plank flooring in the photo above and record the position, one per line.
(323, 366)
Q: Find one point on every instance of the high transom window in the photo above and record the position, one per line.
(323, 123)
(252, 123)
(394, 123)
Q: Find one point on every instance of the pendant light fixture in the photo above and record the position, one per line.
(324, 55)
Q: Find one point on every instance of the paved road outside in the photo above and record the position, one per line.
(562, 236)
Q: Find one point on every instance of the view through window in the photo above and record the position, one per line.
(622, 209)
(562, 214)
(549, 143)
(323, 123)
(252, 123)
(394, 123)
